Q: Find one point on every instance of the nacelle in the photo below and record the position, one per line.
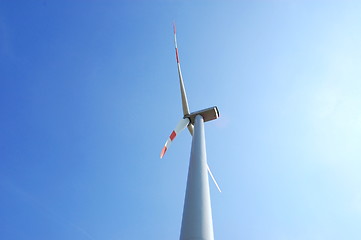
(208, 114)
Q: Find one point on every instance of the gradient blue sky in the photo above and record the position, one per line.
(89, 94)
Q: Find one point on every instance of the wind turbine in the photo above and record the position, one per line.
(197, 221)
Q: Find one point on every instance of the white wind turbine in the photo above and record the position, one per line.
(197, 213)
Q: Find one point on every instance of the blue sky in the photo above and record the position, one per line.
(89, 94)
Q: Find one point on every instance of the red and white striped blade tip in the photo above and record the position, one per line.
(183, 123)
(167, 143)
(164, 149)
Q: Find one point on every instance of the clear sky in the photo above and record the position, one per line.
(89, 94)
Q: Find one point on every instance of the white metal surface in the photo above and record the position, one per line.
(197, 221)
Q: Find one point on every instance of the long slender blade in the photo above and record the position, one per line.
(180, 127)
(191, 129)
(181, 83)
(214, 180)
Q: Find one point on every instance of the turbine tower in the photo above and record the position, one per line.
(197, 221)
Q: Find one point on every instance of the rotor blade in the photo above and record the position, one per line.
(180, 127)
(214, 180)
(190, 129)
(181, 83)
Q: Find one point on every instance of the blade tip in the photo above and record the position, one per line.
(164, 149)
(174, 28)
